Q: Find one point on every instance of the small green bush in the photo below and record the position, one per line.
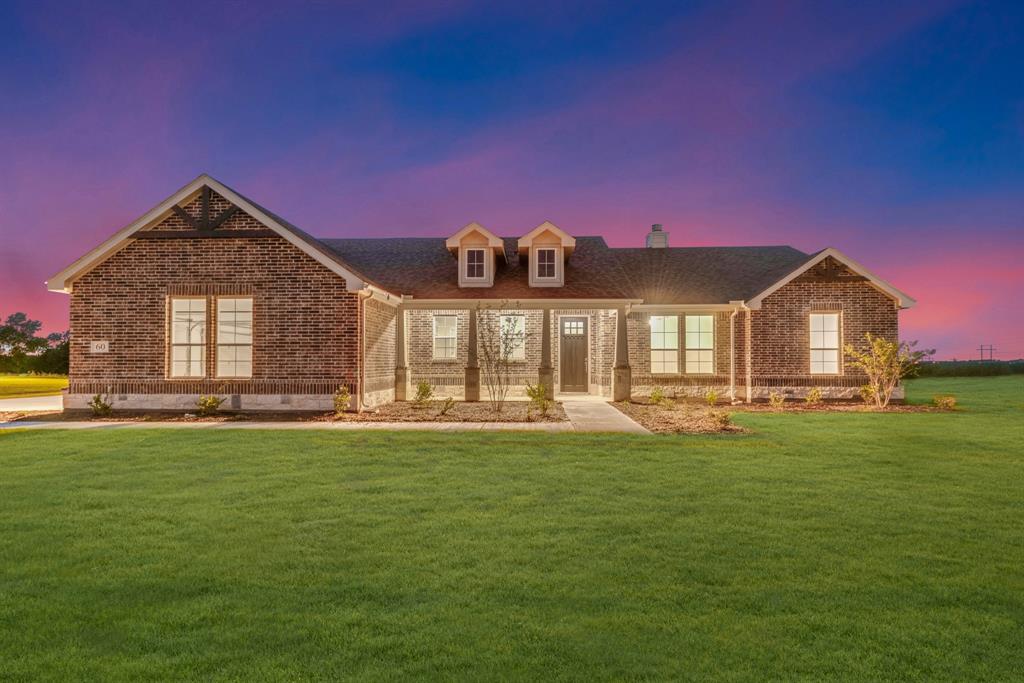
(539, 401)
(711, 397)
(813, 397)
(342, 400)
(208, 405)
(945, 402)
(657, 397)
(446, 407)
(867, 394)
(424, 392)
(100, 405)
(776, 400)
(720, 418)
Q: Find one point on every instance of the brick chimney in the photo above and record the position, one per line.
(657, 238)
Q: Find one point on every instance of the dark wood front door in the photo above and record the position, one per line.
(573, 355)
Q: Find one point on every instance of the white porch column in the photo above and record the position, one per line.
(546, 373)
(472, 381)
(401, 357)
(621, 374)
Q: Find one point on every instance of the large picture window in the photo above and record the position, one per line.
(445, 337)
(234, 337)
(475, 264)
(546, 263)
(188, 337)
(824, 343)
(700, 344)
(513, 329)
(664, 344)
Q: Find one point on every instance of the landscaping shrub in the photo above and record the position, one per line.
(342, 400)
(711, 397)
(424, 392)
(945, 402)
(657, 397)
(720, 418)
(208, 405)
(446, 407)
(813, 397)
(776, 400)
(100, 405)
(539, 401)
(867, 394)
(885, 363)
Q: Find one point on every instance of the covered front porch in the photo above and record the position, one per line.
(574, 351)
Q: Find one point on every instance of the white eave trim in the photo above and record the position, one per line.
(526, 241)
(61, 282)
(902, 299)
(493, 241)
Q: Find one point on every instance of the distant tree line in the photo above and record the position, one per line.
(970, 368)
(22, 350)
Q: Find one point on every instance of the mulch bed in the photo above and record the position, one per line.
(512, 411)
(696, 417)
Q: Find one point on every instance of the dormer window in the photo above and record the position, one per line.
(547, 248)
(546, 259)
(475, 264)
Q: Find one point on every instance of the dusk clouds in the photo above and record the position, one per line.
(893, 131)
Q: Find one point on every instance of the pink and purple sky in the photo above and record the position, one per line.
(893, 131)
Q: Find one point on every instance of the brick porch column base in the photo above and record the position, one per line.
(472, 384)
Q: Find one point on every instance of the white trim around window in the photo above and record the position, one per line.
(664, 344)
(824, 343)
(234, 337)
(446, 333)
(700, 344)
(546, 267)
(187, 337)
(476, 264)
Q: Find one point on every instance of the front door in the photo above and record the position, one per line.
(573, 355)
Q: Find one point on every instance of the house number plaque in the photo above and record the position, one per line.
(99, 347)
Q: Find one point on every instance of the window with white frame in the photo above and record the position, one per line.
(513, 329)
(234, 337)
(700, 344)
(546, 263)
(475, 264)
(824, 343)
(664, 344)
(188, 337)
(445, 336)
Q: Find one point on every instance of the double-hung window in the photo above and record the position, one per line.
(664, 344)
(475, 264)
(824, 343)
(700, 344)
(445, 336)
(513, 336)
(234, 337)
(546, 263)
(188, 337)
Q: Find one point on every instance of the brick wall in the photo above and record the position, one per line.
(681, 383)
(379, 321)
(781, 347)
(305, 323)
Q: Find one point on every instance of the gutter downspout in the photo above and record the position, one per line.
(732, 355)
(748, 353)
(364, 296)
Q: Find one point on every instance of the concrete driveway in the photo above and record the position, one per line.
(17, 405)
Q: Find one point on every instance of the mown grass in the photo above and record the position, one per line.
(27, 386)
(819, 546)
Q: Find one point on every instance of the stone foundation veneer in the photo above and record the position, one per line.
(187, 402)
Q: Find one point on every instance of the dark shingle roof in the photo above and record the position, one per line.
(424, 268)
(705, 275)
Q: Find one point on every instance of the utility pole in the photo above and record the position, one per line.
(991, 352)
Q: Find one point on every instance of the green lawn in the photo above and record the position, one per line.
(25, 386)
(820, 546)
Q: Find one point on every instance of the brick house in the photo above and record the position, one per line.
(210, 293)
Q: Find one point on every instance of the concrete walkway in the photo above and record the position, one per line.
(20, 405)
(599, 416)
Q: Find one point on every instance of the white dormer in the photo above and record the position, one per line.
(547, 247)
(477, 249)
